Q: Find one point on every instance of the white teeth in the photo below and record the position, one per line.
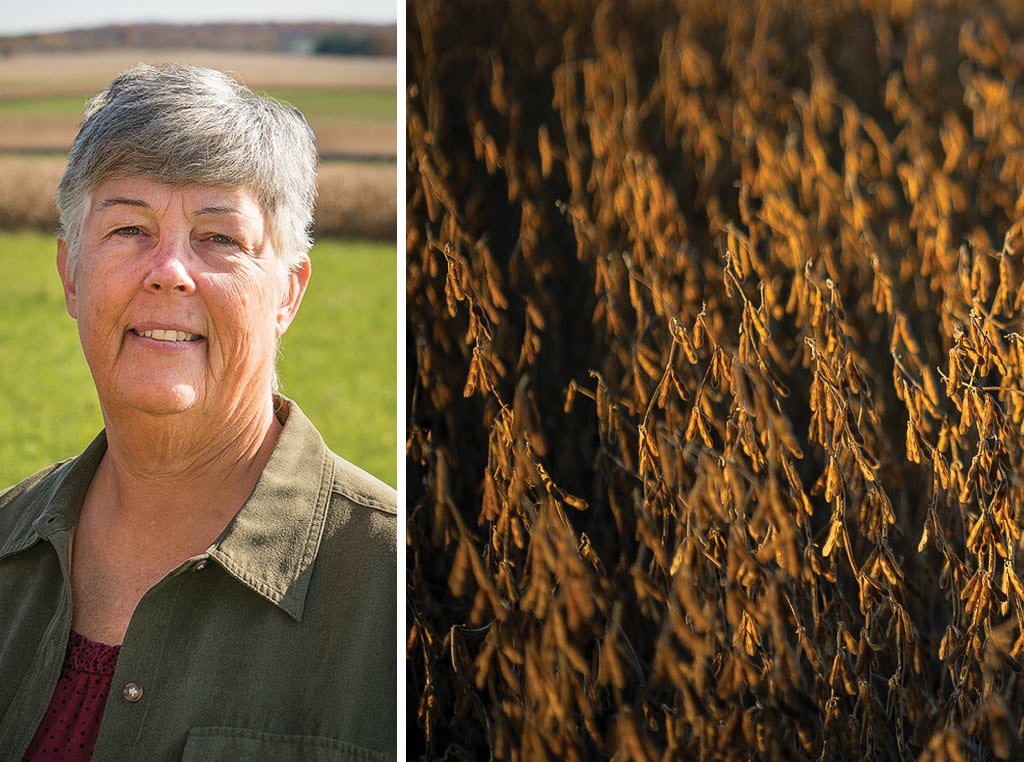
(162, 334)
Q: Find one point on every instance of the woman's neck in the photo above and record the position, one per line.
(172, 466)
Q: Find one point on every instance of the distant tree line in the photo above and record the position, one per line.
(345, 44)
(318, 37)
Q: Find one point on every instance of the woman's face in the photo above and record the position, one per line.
(179, 296)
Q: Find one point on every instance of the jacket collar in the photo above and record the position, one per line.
(269, 546)
(48, 502)
(273, 540)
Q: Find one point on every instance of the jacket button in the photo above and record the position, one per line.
(132, 692)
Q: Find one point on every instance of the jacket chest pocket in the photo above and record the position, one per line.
(241, 745)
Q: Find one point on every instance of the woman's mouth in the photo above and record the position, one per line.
(167, 334)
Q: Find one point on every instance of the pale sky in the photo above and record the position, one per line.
(28, 16)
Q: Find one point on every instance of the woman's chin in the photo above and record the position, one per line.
(158, 402)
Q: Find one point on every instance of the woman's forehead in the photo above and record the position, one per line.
(149, 195)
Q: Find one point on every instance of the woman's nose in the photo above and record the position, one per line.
(169, 270)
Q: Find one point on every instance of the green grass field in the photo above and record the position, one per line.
(43, 105)
(338, 360)
(354, 106)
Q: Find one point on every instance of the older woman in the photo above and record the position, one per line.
(206, 580)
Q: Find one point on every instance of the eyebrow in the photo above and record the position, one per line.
(108, 202)
(216, 210)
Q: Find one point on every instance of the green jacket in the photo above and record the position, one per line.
(278, 643)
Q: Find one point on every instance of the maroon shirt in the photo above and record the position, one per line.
(70, 726)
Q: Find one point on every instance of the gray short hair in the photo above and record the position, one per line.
(186, 125)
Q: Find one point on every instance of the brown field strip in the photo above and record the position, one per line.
(64, 73)
(356, 199)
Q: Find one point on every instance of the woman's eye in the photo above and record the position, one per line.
(223, 240)
(129, 231)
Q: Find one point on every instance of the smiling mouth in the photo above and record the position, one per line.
(162, 334)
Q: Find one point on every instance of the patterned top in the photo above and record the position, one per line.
(72, 722)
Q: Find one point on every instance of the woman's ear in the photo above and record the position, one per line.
(67, 277)
(292, 293)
